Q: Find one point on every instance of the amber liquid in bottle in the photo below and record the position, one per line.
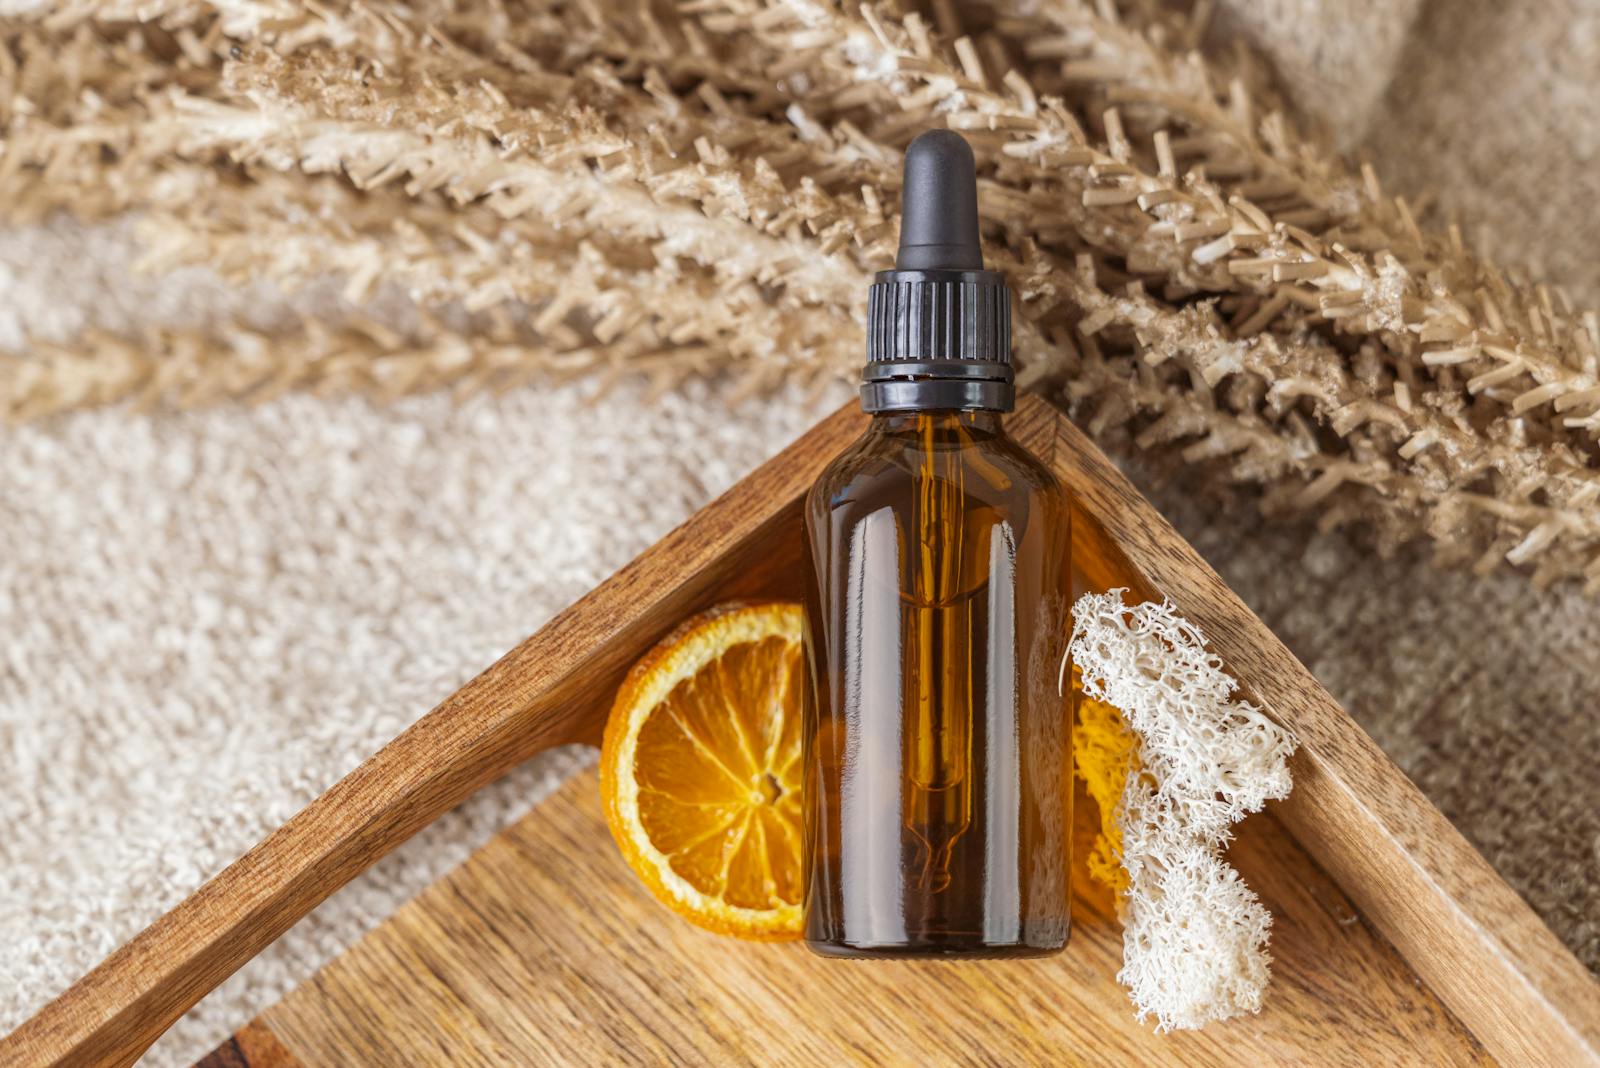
(938, 753)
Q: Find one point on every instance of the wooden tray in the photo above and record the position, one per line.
(1436, 910)
(544, 949)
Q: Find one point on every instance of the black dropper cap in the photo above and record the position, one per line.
(938, 325)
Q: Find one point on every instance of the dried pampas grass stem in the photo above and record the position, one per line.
(662, 189)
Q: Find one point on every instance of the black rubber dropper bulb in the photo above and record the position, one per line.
(939, 206)
(938, 324)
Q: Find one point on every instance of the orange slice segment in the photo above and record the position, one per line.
(700, 770)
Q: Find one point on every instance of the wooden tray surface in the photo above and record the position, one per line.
(543, 949)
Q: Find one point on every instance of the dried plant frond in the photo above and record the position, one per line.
(580, 289)
(1192, 270)
(1280, 270)
(1194, 935)
(77, 130)
(320, 116)
(1387, 458)
(1358, 259)
(196, 367)
(285, 22)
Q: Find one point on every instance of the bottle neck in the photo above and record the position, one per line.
(917, 422)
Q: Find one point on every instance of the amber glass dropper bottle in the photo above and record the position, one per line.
(938, 755)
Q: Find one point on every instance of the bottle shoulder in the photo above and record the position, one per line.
(991, 470)
(1024, 468)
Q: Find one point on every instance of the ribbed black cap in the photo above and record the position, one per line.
(938, 325)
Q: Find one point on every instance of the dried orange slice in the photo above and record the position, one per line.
(700, 770)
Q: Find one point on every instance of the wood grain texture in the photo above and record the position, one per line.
(1463, 930)
(543, 949)
(257, 1046)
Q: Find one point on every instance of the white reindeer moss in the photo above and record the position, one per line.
(1194, 935)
